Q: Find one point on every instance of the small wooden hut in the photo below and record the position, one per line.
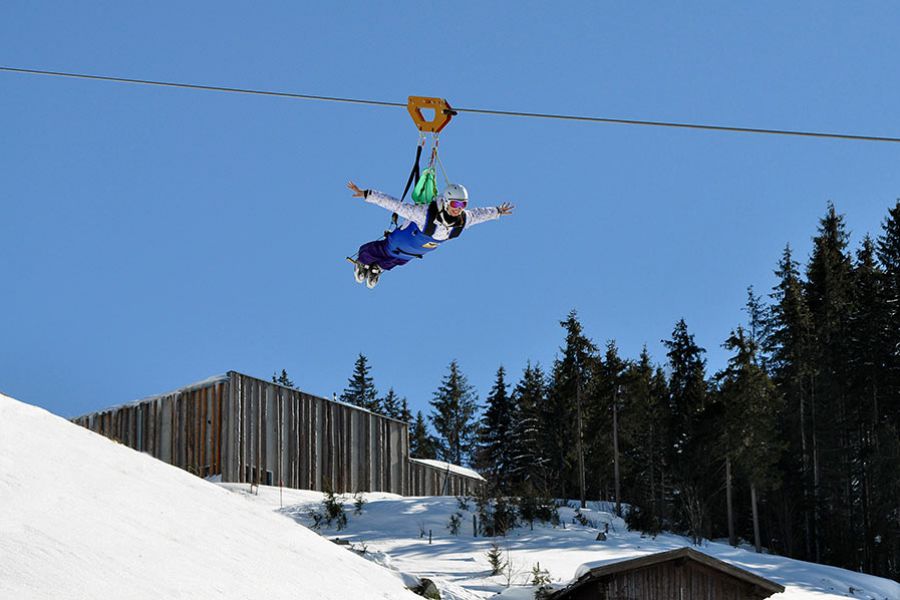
(682, 574)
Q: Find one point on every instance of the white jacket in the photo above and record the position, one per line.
(415, 213)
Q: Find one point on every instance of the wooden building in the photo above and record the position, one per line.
(247, 430)
(436, 478)
(682, 574)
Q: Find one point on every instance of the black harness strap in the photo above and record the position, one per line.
(399, 251)
(431, 225)
(430, 216)
(413, 179)
(456, 231)
(414, 174)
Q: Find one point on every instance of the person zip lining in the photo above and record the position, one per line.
(432, 218)
(425, 228)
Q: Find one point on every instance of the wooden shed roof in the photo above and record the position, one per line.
(686, 553)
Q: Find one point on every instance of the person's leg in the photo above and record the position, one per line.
(376, 253)
(371, 252)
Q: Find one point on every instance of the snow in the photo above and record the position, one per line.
(443, 466)
(85, 518)
(391, 526)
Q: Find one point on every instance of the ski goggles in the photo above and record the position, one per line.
(459, 203)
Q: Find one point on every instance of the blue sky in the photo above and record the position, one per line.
(152, 237)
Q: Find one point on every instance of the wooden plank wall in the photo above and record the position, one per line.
(426, 480)
(280, 435)
(184, 428)
(672, 579)
(249, 430)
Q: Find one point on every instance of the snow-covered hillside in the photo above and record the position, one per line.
(82, 517)
(390, 530)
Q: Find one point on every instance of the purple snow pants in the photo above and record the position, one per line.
(376, 253)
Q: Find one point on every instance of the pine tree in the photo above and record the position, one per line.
(557, 432)
(749, 436)
(390, 405)
(871, 357)
(758, 326)
(829, 295)
(643, 437)
(572, 375)
(529, 470)
(421, 443)
(870, 337)
(283, 379)
(884, 465)
(792, 363)
(404, 414)
(494, 455)
(603, 405)
(888, 251)
(453, 417)
(687, 385)
(360, 389)
(691, 453)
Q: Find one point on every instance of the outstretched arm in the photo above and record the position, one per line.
(482, 214)
(412, 212)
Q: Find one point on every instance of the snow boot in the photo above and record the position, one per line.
(372, 279)
(360, 272)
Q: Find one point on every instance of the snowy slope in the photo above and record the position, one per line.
(82, 517)
(389, 528)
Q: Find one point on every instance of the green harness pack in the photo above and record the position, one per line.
(426, 187)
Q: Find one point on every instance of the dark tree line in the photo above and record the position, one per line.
(793, 446)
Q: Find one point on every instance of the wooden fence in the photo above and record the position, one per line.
(245, 429)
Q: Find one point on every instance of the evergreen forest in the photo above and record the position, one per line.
(793, 447)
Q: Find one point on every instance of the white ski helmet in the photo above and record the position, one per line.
(453, 191)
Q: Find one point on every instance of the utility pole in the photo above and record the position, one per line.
(580, 434)
(615, 408)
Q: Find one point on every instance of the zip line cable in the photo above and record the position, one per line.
(209, 88)
(482, 111)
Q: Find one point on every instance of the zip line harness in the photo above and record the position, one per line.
(424, 182)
